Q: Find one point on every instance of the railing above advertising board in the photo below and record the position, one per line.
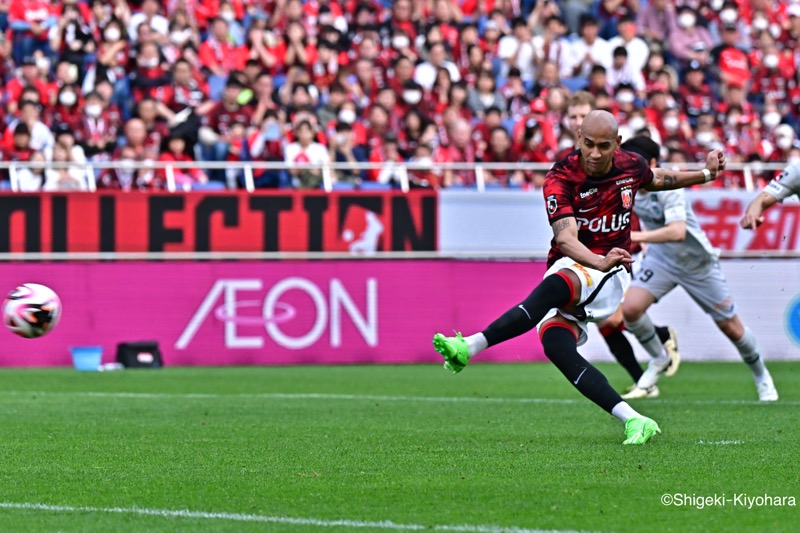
(286, 223)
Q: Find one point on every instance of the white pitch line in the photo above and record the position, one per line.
(240, 517)
(720, 442)
(369, 397)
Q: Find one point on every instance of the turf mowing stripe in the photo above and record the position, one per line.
(370, 397)
(239, 517)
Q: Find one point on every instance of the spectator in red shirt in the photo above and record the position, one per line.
(30, 22)
(215, 133)
(771, 76)
(150, 74)
(416, 129)
(219, 57)
(173, 150)
(295, 48)
(113, 55)
(695, 94)
(67, 109)
(122, 176)
(157, 130)
(459, 149)
(388, 155)
(728, 61)
(401, 21)
(98, 128)
(138, 138)
(20, 147)
(424, 176)
(186, 91)
(501, 151)
(30, 78)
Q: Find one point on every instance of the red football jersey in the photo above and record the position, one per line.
(601, 206)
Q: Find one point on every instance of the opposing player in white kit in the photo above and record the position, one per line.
(782, 187)
(678, 253)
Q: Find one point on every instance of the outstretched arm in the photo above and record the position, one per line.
(672, 232)
(565, 231)
(668, 179)
(753, 215)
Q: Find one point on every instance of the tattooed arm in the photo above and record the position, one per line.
(668, 179)
(565, 232)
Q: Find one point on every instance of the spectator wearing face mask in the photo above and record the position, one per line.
(726, 13)
(343, 149)
(771, 78)
(770, 118)
(98, 128)
(784, 139)
(656, 19)
(266, 144)
(150, 72)
(688, 41)
(67, 109)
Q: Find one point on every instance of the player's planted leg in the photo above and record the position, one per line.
(560, 346)
(645, 332)
(553, 292)
(747, 346)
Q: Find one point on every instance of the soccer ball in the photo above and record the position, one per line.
(31, 310)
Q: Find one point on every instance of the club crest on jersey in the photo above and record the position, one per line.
(627, 197)
(552, 204)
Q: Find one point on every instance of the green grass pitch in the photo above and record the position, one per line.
(388, 448)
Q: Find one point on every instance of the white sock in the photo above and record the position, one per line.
(748, 349)
(645, 333)
(476, 343)
(623, 411)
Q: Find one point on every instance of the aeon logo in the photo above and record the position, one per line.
(328, 311)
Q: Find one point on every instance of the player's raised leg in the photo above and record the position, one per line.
(553, 292)
(747, 346)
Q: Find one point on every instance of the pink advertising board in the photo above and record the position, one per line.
(273, 313)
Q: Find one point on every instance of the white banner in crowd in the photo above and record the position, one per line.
(515, 222)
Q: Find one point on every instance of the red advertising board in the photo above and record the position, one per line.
(223, 222)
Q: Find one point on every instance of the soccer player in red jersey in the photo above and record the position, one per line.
(589, 198)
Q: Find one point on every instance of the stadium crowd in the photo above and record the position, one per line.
(381, 81)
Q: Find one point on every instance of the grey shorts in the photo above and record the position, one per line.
(707, 286)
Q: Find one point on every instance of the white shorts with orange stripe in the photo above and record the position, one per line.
(601, 294)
